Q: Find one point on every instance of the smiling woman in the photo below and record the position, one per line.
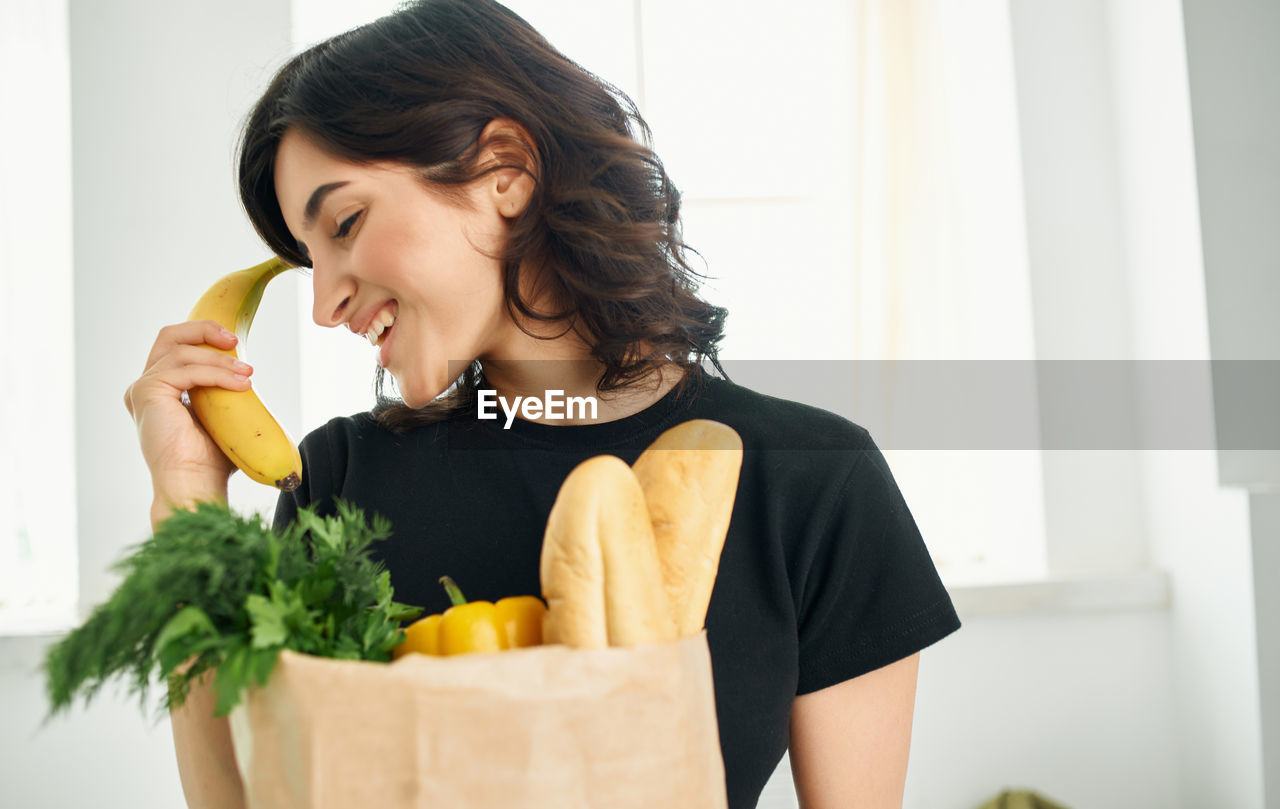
(493, 217)
(383, 245)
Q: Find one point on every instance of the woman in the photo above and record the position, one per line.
(480, 208)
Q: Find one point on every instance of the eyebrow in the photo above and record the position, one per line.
(317, 199)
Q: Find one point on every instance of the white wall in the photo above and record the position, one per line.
(1075, 244)
(158, 90)
(1074, 706)
(1200, 531)
(1233, 61)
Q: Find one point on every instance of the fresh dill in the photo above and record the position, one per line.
(212, 589)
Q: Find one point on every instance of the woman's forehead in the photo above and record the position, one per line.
(299, 162)
(305, 174)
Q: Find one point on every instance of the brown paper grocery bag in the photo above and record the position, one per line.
(547, 726)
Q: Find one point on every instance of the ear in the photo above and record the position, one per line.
(505, 142)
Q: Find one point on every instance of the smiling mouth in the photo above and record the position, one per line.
(380, 327)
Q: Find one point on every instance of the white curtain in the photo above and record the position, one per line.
(941, 269)
(38, 581)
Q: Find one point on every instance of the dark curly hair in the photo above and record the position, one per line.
(418, 86)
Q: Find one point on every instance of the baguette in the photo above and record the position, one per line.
(689, 476)
(599, 565)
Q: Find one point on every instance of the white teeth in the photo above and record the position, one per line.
(380, 324)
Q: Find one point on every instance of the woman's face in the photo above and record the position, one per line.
(385, 250)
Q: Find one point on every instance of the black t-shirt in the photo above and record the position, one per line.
(824, 575)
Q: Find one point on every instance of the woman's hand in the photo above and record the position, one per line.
(186, 465)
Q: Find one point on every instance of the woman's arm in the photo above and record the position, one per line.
(206, 759)
(187, 467)
(849, 742)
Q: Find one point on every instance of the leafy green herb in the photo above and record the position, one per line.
(215, 590)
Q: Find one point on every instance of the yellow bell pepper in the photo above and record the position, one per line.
(475, 626)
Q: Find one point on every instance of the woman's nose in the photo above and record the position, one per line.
(333, 295)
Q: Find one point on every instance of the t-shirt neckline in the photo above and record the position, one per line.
(600, 435)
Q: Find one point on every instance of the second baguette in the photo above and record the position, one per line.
(689, 476)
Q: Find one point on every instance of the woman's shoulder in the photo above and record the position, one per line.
(768, 421)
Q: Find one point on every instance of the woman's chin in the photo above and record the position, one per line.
(416, 396)
(414, 400)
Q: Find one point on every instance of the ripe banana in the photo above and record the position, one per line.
(238, 421)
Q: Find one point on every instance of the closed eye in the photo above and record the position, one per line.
(345, 228)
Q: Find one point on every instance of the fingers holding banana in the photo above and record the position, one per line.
(630, 555)
(180, 359)
(205, 333)
(171, 440)
(185, 366)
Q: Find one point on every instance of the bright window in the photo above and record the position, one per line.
(38, 581)
(852, 173)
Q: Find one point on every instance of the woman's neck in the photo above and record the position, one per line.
(557, 359)
(562, 381)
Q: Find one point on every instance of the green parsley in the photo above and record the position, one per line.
(215, 590)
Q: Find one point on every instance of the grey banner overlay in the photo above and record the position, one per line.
(1040, 404)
